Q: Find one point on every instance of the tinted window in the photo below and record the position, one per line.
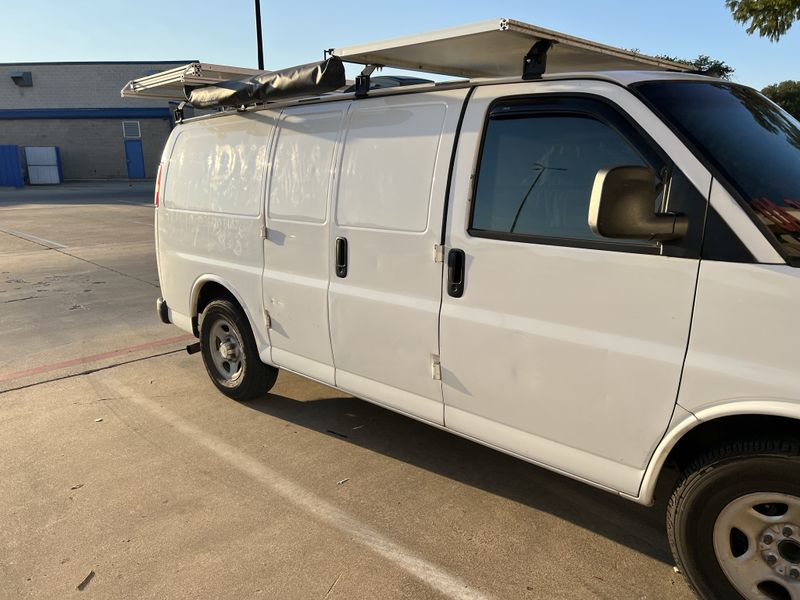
(752, 142)
(537, 171)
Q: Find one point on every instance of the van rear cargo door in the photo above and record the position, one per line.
(296, 250)
(385, 290)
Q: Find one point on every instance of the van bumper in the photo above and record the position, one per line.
(163, 310)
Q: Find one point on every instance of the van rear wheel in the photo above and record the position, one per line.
(230, 354)
(734, 522)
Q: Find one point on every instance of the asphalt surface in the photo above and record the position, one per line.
(125, 474)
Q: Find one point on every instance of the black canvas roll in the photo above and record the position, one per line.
(305, 80)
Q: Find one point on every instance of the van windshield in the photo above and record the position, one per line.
(752, 143)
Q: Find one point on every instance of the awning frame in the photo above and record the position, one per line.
(493, 49)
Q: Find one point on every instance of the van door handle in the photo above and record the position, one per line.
(455, 273)
(341, 257)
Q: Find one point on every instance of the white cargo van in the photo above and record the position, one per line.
(576, 255)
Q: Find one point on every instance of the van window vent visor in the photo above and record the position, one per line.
(311, 79)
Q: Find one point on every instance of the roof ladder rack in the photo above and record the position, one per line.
(362, 80)
(490, 49)
(535, 63)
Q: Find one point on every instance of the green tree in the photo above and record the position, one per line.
(771, 18)
(705, 65)
(786, 94)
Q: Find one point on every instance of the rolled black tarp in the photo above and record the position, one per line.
(306, 80)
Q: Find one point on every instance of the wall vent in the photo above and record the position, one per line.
(131, 129)
(22, 78)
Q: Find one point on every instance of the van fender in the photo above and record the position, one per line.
(262, 342)
(682, 424)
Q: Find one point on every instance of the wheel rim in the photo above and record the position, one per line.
(757, 543)
(225, 348)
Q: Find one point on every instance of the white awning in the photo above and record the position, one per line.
(496, 48)
(170, 84)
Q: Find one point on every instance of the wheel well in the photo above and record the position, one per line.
(210, 291)
(728, 429)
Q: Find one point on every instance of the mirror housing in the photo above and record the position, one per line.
(623, 206)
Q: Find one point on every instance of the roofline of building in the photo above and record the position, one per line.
(97, 62)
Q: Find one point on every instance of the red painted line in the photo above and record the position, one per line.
(94, 357)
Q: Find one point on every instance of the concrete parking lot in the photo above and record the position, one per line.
(125, 474)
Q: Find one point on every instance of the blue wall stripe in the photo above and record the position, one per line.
(85, 113)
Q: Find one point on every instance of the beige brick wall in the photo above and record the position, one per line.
(76, 85)
(90, 148)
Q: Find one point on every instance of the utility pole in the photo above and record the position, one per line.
(258, 36)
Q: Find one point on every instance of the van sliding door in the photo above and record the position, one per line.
(385, 290)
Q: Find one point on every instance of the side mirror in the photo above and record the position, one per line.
(623, 206)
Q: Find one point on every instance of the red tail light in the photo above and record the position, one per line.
(156, 198)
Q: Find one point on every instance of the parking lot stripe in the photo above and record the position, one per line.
(424, 570)
(94, 357)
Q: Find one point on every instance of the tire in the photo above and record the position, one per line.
(230, 354)
(727, 520)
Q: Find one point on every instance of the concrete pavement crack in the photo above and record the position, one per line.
(18, 299)
(86, 260)
(90, 371)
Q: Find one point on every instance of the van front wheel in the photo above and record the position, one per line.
(230, 354)
(734, 521)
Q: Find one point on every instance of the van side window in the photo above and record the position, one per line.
(387, 167)
(536, 174)
(301, 171)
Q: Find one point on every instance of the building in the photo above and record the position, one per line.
(77, 107)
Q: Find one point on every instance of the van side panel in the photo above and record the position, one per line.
(210, 218)
(390, 194)
(744, 338)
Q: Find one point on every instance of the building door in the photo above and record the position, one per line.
(134, 156)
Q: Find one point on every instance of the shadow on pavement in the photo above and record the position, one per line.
(404, 439)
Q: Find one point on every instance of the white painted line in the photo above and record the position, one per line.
(427, 572)
(33, 238)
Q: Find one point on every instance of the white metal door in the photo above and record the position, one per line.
(42, 164)
(384, 308)
(296, 251)
(561, 349)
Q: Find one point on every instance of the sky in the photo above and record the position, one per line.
(223, 32)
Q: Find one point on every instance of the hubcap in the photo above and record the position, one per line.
(226, 350)
(757, 543)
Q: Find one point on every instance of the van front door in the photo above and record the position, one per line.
(296, 253)
(386, 286)
(558, 345)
